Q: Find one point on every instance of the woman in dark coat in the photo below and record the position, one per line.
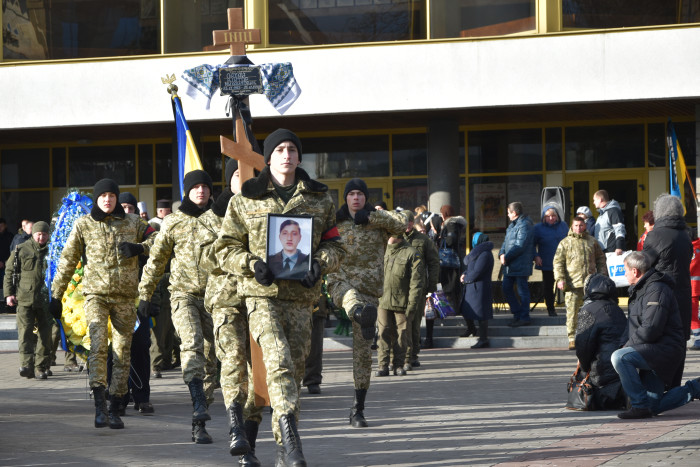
(478, 297)
(601, 324)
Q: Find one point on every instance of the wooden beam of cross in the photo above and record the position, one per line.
(236, 36)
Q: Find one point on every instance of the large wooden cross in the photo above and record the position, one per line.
(242, 150)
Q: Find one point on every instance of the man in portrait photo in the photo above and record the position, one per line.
(289, 262)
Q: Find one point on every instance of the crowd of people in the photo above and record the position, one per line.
(206, 273)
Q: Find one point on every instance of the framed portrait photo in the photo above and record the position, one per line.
(289, 245)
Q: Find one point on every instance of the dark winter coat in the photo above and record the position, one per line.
(478, 297)
(601, 324)
(670, 249)
(519, 247)
(31, 266)
(18, 239)
(547, 238)
(654, 326)
(453, 233)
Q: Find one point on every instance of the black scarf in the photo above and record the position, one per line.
(99, 215)
(343, 214)
(191, 209)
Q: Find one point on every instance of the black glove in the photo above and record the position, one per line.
(154, 310)
(142, 310)
(362, 217)
(129, 250)
(313, 275)
(55, 308)
(263, 273)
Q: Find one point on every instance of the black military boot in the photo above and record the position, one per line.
(199, 433)
(366, 317)
(101, 414)
(251, 432)
(293, 456)
(115, 422)
(239, 444)
(199, 401)
(279, 458)
(357, 416)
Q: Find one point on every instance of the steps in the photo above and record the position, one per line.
(8, 332)
(544, 332)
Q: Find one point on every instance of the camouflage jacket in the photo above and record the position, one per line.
(96, 237)
(221, 287)
(243, 236)
(404, 279)
(182, 234)
(31, 259)
(431, 258)
(365, 244)
(577, 257)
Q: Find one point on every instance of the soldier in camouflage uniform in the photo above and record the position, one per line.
(26, 294)
(230, 332)
(578, 256)
(357, 286)
(108, 240)
(431, 260)
(279, 311)
(404, 282)
(183, 238)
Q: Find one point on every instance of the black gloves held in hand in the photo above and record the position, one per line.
(313, 275)
(56, 308)
(142, 310)
(263, 273)
(129, 250)
(362, 217)
(154, 310)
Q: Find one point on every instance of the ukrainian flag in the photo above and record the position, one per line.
(188, 158)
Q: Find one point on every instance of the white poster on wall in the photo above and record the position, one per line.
(490, 206)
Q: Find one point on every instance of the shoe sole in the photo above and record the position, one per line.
(368, 319)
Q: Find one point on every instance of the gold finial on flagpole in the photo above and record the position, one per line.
(169, 80)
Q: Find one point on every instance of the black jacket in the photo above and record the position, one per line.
(601, 324)
(670, 249)
(654, 327)
(478, 297)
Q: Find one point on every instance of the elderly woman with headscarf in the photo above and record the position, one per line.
(478, 297)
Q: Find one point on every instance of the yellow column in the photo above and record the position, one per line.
(548, 16)
(256, 14)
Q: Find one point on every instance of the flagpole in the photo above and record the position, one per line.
(692, 190)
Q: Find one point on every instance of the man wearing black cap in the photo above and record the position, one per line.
(279, 310)
(109, 239)
(163, 208)
(182, 237)
(25, 293)
(357, 286)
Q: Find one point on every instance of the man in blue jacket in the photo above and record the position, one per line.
(516, 255)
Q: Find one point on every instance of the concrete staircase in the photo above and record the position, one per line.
(8, 332)
(544, 332)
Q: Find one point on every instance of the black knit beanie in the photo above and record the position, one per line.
(356, 184)
(197, 177)
(128, 198)
(231, 167)
(276, 138)
(106, 185)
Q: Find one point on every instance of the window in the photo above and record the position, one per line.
(604, 147)
(346, 157)
(89, 28)
(594, 14)
(315, 22)
(553, 148)
(145, 164)
(32, 205)
(410, 193)
(87, 165)
(490, 196)
(59, 167)
(478, 18)
(164, 163)
(409, 154)
(212, 161)
(505, 151)
(189, 24)
(25, 168)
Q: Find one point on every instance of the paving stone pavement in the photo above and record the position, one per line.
(460, 407)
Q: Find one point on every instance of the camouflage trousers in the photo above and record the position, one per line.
(347, 297)
(250, 410)
(34, 349)
(233, 351)
(122, 313)
(392, 333)
(195, 327)
(574, 302)
(283, 330)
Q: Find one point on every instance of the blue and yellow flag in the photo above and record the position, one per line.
(676, 164)
(187, 156)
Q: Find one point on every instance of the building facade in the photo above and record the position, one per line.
(472, 103)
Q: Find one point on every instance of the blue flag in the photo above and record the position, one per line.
(187, 156)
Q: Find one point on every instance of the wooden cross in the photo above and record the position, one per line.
(242, 151)
(236, 36)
